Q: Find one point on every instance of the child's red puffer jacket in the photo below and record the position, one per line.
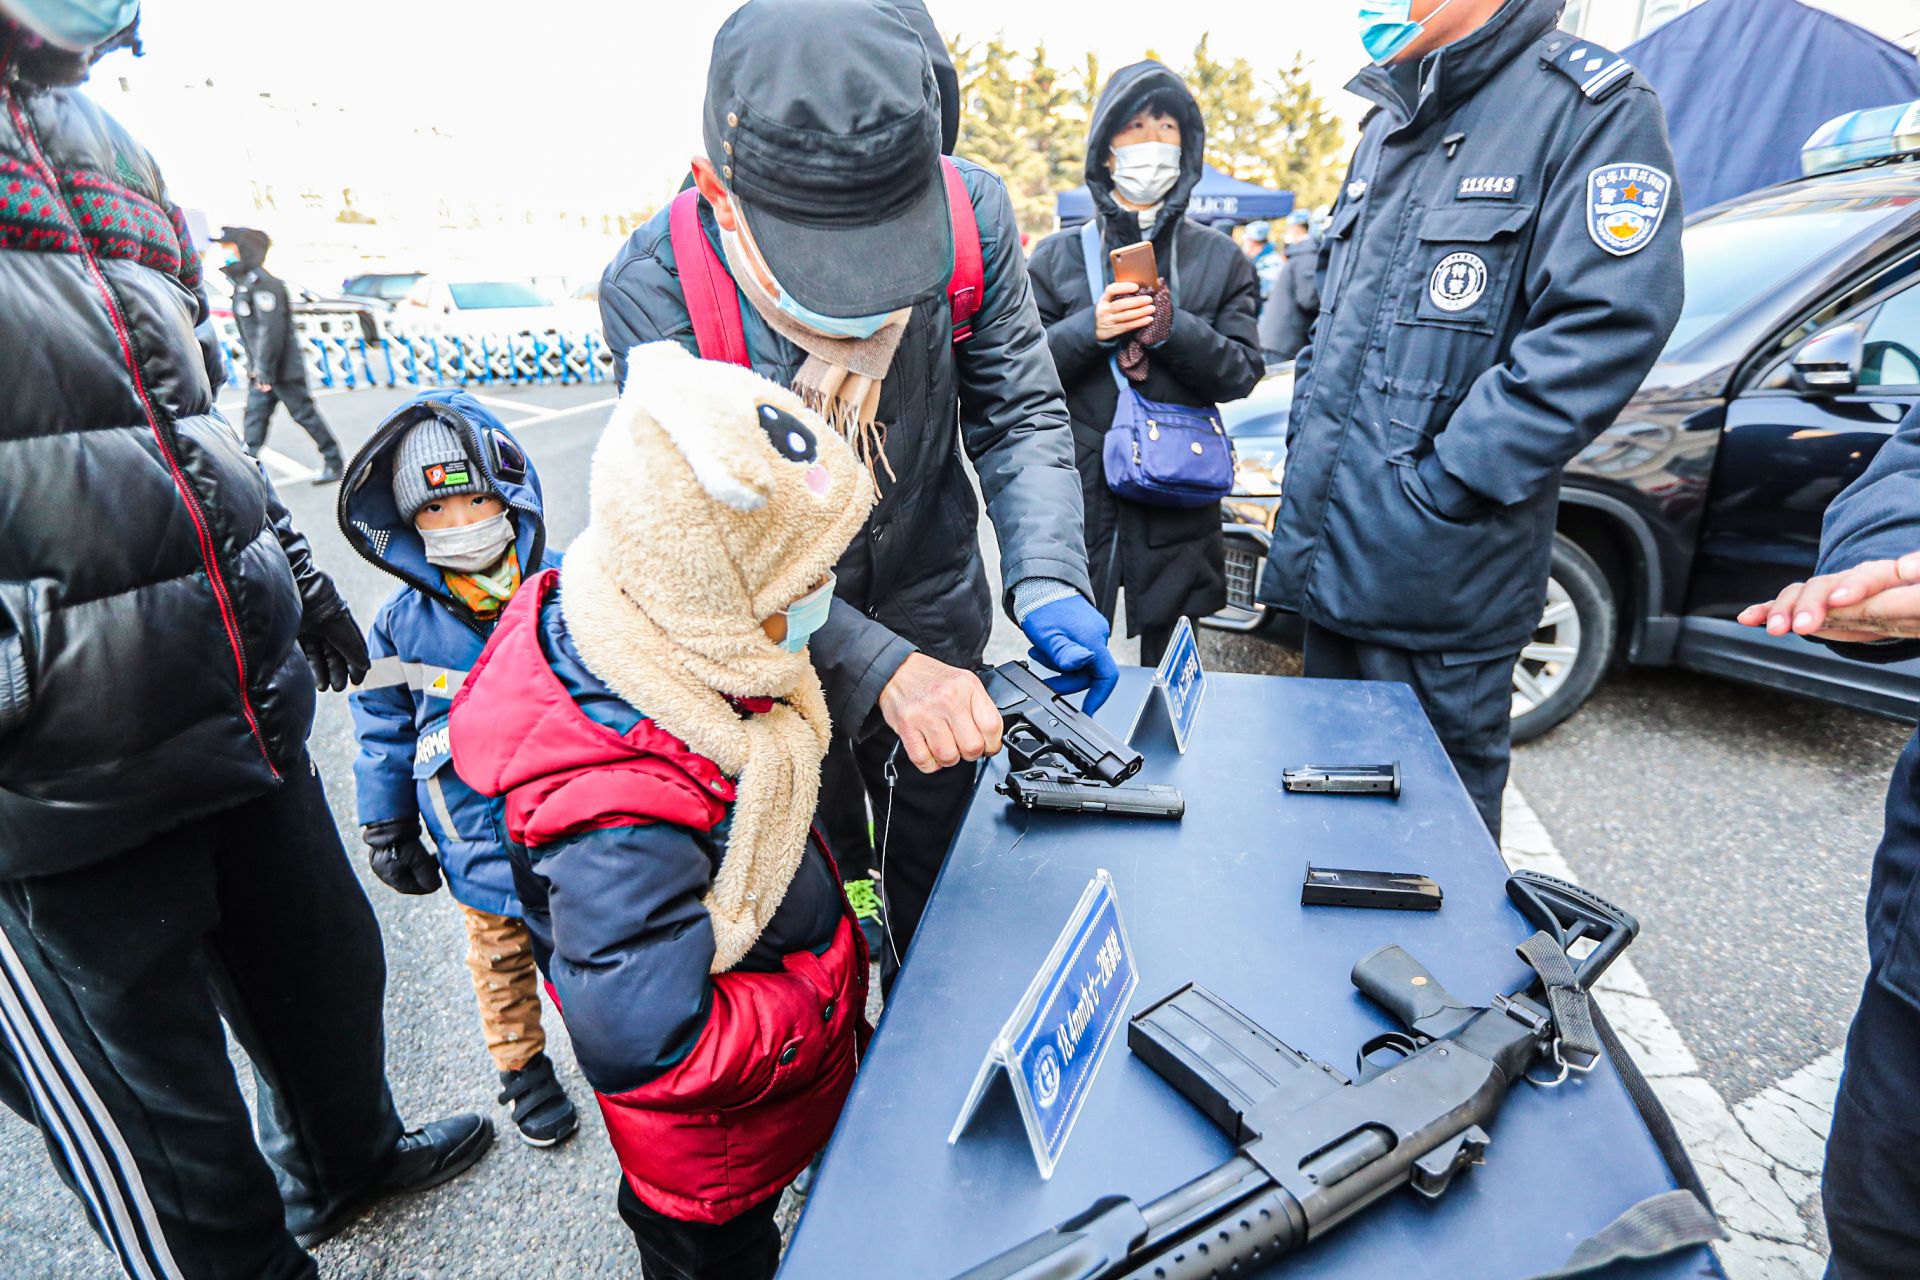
(717, 1090)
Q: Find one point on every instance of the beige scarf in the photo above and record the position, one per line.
(841, 378)
(775, 756)
(700, 528)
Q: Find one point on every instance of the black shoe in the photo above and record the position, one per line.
(423, 1158)
(541, 1109)
(329, 472)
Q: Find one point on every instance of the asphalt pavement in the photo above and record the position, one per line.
(1738, 824)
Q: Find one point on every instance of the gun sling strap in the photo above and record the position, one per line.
(1660, 1224)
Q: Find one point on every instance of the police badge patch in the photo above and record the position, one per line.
(1625, 203)
(1457, 282)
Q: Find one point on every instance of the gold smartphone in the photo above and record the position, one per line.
(1134, 264)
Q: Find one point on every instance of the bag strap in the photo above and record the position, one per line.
(1097, 283)
(967, 287)
(712, 298)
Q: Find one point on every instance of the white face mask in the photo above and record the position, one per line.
(469, 548)
(1143, 172)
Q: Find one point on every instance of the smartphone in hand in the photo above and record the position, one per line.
(1134, 264)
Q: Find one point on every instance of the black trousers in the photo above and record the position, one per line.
(1870, 1186)
(904, 854)
(1154, 642)
(113, 982)
(299, 401)
(742, 1248)
(1468, 697)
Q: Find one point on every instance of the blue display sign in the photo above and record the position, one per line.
(1179, 684)
(1059, 1033)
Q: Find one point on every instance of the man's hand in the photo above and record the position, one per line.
(942, 714)
(1803, 608)
(1121, 309)
(1893, 614)
(336, 651)
(1070, 636)
(259, 385)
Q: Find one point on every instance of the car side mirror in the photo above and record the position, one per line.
(1829, 362)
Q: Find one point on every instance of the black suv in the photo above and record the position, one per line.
(1796, 356)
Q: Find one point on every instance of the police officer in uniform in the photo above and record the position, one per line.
(1501, 269)
(1865, 603)
(278, 375)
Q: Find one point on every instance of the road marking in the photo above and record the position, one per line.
(1760, 1161)
(495, 402)
(548, 415)
(286, 470)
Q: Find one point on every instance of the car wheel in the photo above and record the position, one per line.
(1569, 651)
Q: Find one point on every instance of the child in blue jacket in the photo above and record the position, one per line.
(443, 498)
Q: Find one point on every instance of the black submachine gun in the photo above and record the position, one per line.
(1061, 759)
(1316, 1147)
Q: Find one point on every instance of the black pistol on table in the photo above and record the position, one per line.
(1317, 1147)
(1062, 760)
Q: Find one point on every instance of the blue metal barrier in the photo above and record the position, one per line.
(349, 363)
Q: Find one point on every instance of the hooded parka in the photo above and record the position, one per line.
(1168, 559)
(151, 583)
(425, 640)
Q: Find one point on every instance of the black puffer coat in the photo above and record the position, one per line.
(1169, 560)
(150, 583)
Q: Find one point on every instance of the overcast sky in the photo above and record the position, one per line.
(602, 96)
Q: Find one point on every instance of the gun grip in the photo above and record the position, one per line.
(1401, 985)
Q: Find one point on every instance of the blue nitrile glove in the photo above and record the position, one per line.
(1070, 636)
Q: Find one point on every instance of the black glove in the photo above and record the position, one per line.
(396, 855)
(335, 650)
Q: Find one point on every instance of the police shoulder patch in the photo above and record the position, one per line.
(1625, 203)
(1597, 70)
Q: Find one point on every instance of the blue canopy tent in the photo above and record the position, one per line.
(1216, 198)
(1746, 82)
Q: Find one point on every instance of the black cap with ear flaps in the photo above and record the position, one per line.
(823, 120)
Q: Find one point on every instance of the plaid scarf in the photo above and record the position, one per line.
(487, 593)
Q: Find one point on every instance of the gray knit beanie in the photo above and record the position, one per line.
(430, 464)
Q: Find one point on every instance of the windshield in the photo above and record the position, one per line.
(1734, 257)
(484, 295)
(386, 288)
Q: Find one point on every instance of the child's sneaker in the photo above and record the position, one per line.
(541, 1109)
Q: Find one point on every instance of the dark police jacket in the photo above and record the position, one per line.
(1501, 270)
(1878, 518)
(264, 315)
(151, 583)
(913, 578)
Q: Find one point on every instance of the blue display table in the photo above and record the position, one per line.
(1214, 899)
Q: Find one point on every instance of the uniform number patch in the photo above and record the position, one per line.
(1457, 282)
(1625, 203)
(1488, 186)
(441, 474)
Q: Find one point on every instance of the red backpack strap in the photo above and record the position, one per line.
(713, 300)
(967, 288)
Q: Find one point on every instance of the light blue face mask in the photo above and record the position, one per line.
(855, 327)
(1387, 27)
(807, 615)
(78, 25)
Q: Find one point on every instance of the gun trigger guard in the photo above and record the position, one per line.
(1399, 1041)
